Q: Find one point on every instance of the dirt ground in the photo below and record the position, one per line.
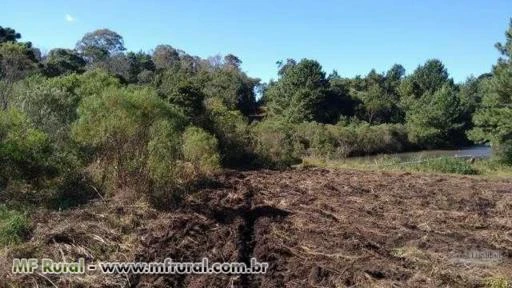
(315, 228)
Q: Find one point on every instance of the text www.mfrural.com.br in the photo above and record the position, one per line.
(168, 266)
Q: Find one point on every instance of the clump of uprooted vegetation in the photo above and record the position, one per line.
(108, 231)
(99, 232)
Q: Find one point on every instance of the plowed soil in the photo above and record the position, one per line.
(315, 228)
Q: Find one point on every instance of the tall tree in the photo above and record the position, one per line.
(117, 64)
(394, 77)
(425, 80)
(436, 120)
(179, 89)
(165, 56)
(492, 120)
(100, 44)
(298, 92)
(433, 109)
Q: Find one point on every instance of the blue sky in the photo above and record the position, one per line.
(349, 36)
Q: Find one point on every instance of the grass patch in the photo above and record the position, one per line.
(14, 226)
(493, 168)
(448, 165)
(498, 282)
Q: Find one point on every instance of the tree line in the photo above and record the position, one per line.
(97, 119)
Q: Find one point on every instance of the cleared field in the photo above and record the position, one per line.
(315, 227)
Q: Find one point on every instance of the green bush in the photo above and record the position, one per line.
(232, 131)
(176, 162)
(277, 144)
(33, 170)
(141, 141)
(383, 138)
(14, 226)
(94, 82)
(164, 153)
(25, 152)
(284, 144)
(200, 149)
(164, 164)
(119, 124)
(318, 140)
(340, 141)
(51, 103)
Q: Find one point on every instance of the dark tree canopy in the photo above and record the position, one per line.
(8, 35)
(395, 75)
(232, 61)
(63, 61)
(285, 65)
(139, 62)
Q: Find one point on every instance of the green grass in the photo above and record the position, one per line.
(498, 282)
(493, 168)
(448, 165)
(14, 226)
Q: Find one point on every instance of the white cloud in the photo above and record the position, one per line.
(70, 18)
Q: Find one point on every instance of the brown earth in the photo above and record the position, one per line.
(315, 228)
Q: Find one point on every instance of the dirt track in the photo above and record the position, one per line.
(316, 228)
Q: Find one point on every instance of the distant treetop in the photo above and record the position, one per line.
(8, 35)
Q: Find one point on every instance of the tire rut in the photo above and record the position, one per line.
(250, 214)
